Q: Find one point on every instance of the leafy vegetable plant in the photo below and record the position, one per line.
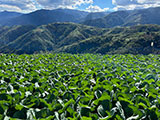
(79, 87)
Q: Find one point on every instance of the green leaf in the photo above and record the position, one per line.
(85, 111)
(42, 113)
(85, 100)
(19, 107)
(2, 117)
(20, 115)
(142, 105)
(86, 118)
(4, 96)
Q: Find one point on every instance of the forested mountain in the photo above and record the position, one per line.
(120, 40)
(9, 34)
(127, 18)
(46, 37)
(77, 38)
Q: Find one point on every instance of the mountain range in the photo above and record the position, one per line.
(41, 17)
(77, 38)
(97, 19)
(73, 31)
(6, 16)
(127, 18)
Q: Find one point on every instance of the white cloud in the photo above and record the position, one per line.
(135, 4)
(17, 5)
(32, 5)
(96, 8)
(53, 4)
(4, 7)
(148, 1)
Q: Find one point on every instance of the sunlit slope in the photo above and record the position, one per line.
(77, 38)
(134, 40)
(48, 37)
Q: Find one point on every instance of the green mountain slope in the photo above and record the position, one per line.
(77, 38)
(49, 37)
(134, 40)
(9, 34)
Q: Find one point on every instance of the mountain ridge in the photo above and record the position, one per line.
(49, 37)
(127, 18)
(96, 19)
(77, 38)
(44, 16)
(6, 15)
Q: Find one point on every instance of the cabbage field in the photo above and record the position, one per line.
(79, 87)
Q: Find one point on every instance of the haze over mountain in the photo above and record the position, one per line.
(95, 15)
(5, 16)
(41, 17)
(97, 19)
(77, 38)
(127, 18)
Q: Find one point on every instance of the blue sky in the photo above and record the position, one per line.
(26, 6)
(99, 3)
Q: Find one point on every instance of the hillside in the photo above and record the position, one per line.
(9, 34)
(127, 18)
(47, 37)
(121, 40)
(77, 38)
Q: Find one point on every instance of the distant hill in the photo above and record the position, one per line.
(95, 15)
(77, 38)
(6, 15)
(97, 19)
(127, 18)
(41, 17)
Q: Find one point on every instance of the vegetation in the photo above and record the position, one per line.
(121, 40)
(76, 38)
(74, 87)
(45, 38)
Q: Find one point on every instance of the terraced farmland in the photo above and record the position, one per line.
(79, 87)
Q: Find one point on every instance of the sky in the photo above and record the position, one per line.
(26, 6)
